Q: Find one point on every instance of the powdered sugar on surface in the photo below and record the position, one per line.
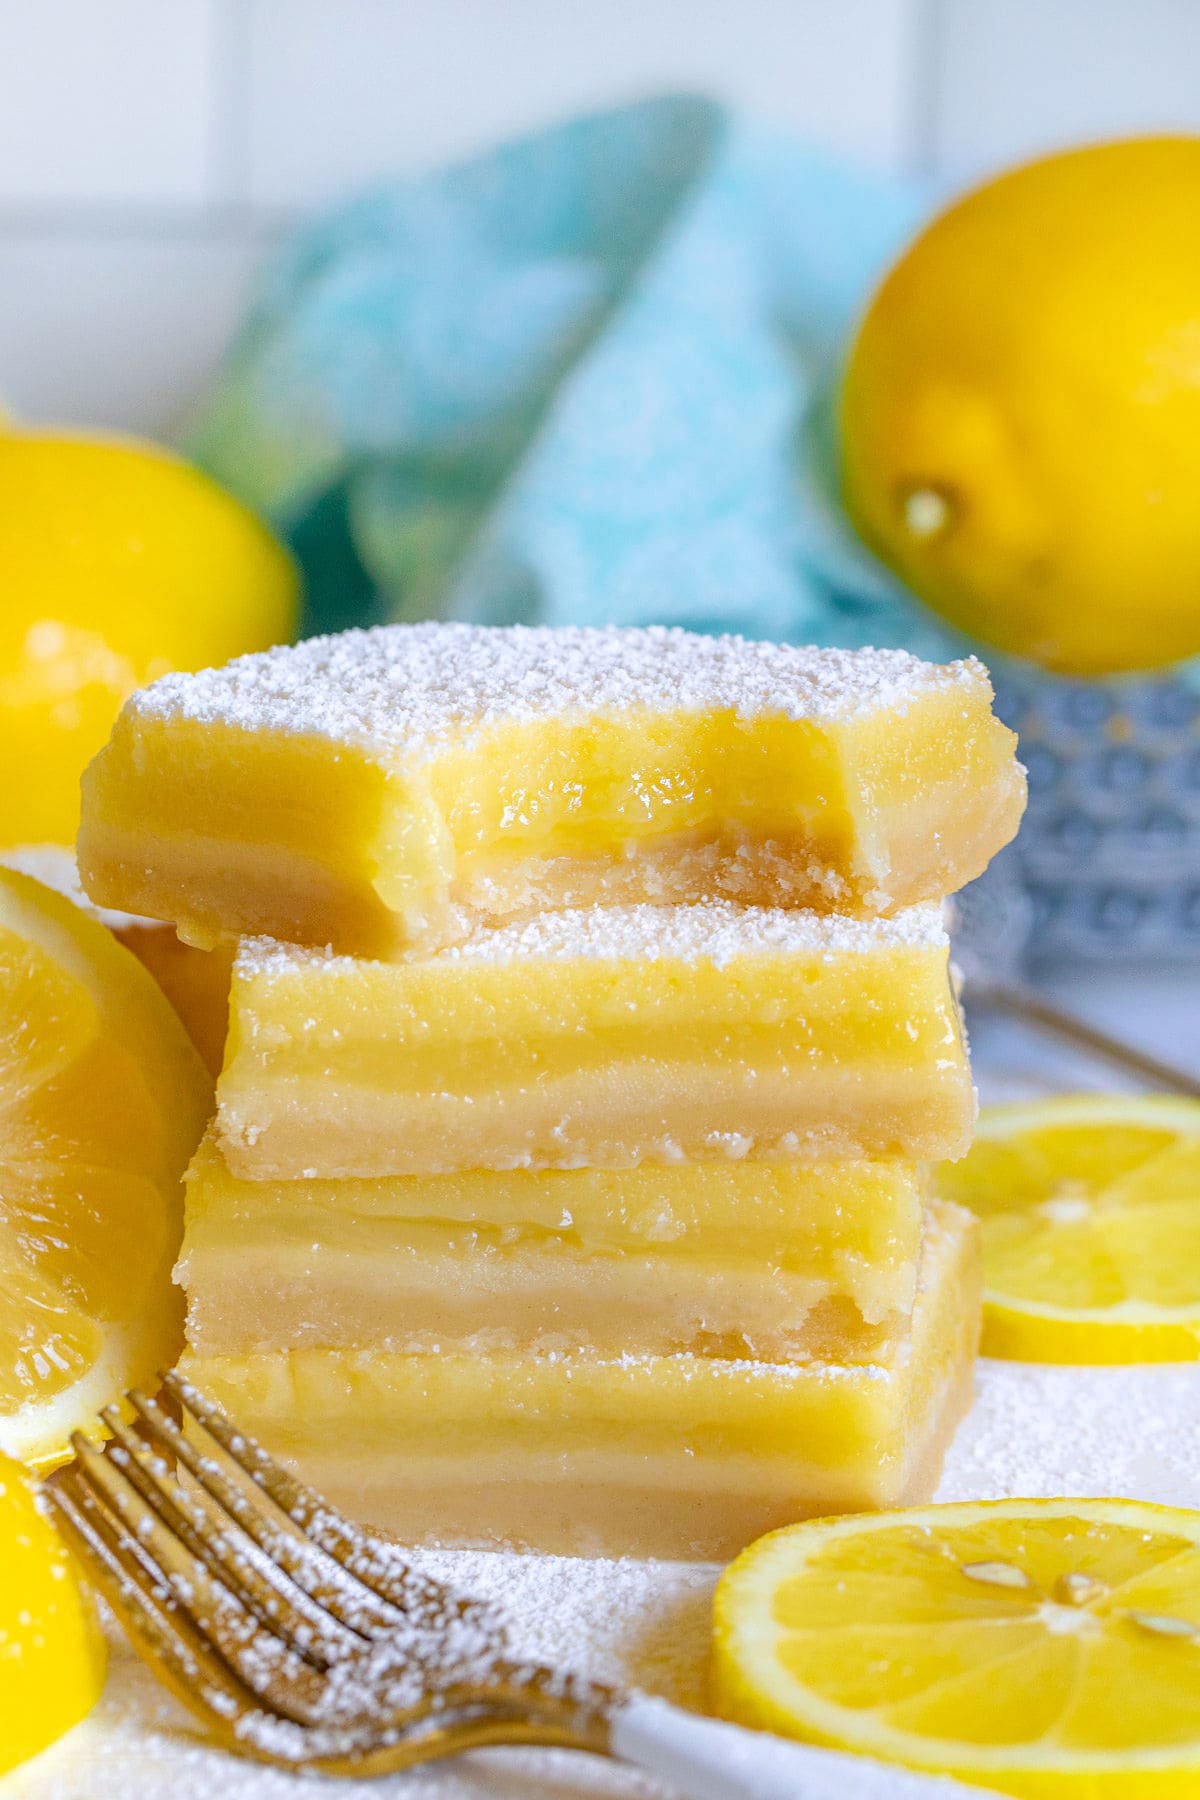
(409, 688)
(1041, 1432)
(714, 931)
(1033, 1431)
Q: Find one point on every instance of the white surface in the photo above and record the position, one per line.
(383, 87)
(118, 330)
(1153, 1009)
(171, 133)
(1016, 77)
(104, 104)
(1157, 1008)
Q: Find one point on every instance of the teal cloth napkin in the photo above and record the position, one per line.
(588, 378)
(584, 378)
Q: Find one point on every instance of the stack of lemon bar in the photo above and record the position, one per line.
(590, 1023)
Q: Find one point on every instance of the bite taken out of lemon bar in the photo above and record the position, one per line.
(601, 1038)
(393, 788)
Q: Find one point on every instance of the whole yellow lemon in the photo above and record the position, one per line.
(118, 561)
(1020, 414)
(51, 1653)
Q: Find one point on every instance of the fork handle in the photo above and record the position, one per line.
(705, 1760)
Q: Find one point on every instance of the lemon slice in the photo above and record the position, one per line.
(102, 1099)
(1090, 1209)
(51, 1654)
(1038, 1647)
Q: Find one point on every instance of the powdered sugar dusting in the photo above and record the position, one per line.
(1032, 1431)
(713, 931)
(409, 688)
(1041, 1432)
(717, 931)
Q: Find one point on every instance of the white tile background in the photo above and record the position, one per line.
(153, 151)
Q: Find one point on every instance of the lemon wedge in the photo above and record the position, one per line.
(1090, 1212)
(51, 1654)
(102, 1099)
(1048, 1648)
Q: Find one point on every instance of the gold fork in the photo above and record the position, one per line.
(303, 1641)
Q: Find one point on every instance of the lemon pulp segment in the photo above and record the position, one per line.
(1048, 1648)
(679, 1456)
(389, 789)
(604, 1038)
(770, 1261)
(101, 1098)
(1090, 1213)
(195, 981)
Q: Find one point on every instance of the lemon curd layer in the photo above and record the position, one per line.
(826, 1267)
(600, 1038)
(389, 788)
(766, 1259)
(643, 1455)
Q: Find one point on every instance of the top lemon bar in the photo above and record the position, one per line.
(390, 789)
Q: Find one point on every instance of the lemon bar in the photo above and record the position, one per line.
(600, 1038)
(765, 1260)
(675, 1456)
(389, 788)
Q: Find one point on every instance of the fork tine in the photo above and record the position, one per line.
(146, 1609)
(194, 1672)
(166, 1639)
(262, 1661)
(356, 1552)
(204, 1530)
(328, 1584)
(373, 1709)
